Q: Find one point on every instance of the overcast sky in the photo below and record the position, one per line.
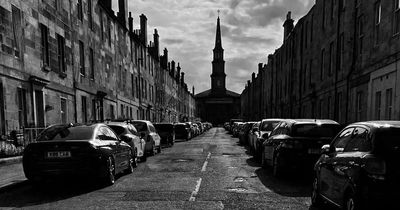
(251, 29)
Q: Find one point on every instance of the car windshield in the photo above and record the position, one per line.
(315, 130)
(388, 140)
(269, 125)
(163, 127)
(117, 129)
(140, 126)
(65, 133)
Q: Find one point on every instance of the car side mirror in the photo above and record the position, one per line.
(326, 149)
(265, 136)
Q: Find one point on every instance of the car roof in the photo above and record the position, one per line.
(272, 119)
(124, 124)
(311, 121)
(378, 124)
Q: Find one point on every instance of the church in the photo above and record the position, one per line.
(218, 105)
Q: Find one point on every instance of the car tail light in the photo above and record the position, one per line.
(375, 167)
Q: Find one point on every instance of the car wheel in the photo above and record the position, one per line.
(132, 163)
(316, 200)
(153, 152)
(350, 202)
(277, 166)
(143, 158)
(110, 171)
(159, 149)
(263, 161)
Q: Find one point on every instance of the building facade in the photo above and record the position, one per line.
(218, 105)
(340, 61)
(79, 61)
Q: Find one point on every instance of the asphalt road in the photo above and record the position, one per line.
(210, 171)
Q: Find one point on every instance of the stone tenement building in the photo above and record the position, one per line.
(76, 61)
(218, 104)
(340, 61)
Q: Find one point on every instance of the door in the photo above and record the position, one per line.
(330, 171)
(39, 106)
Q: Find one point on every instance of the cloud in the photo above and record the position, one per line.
(173, 41)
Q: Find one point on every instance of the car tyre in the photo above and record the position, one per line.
(110, 172)
(351, 202)
(277, 166)
(316, 200)
(263, 161)
(132, 163)
(153, 150)
(159, 149)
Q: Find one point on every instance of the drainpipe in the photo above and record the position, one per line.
(335, 107)
(353, 62)
(72, 63)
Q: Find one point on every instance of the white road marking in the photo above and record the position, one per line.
(195, 191)
(205, 162)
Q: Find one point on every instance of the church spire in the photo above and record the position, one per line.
(218, 43)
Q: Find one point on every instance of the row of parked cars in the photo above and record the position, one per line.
(100, 150)
(354, 167)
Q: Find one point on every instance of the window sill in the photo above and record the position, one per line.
(62, 75)
(46, 68)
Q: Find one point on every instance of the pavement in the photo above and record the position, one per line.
(210, 171)
(11, 173)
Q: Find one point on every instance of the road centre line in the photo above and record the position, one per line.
(205, 162)
(195, 191)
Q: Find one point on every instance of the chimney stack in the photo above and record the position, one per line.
(156, 42)
(143, 29)
(260, 66)
(193, 90)
(173, 69)
(178, 73)
(107, 4)
(253, 77)
(130, 20)
(183, 78)
(288, 25)
(123, 11)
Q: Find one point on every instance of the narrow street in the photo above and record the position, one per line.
(210, 171)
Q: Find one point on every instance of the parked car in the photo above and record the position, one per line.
(360, 169)
(147, 131)
(166, 132)
(296, 144)
(265, 129)
(253, 135)
(236, 128)
(181, 131)
(244, 133)
(201, 128)
(196, 129)
(128, 133)
(68, 150)
(231, 124)
(192, 129)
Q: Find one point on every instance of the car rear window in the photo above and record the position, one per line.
(269, 125)
(140, 126)
(315, 130)
(66, 133)
(117, 129)
(388, 140)
(180, 127)
(163, 127)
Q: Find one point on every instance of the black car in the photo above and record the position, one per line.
(360, 168)
(166, 132)
(66, 151)
(297, 143)
(181, 131)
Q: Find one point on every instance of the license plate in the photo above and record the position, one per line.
(314, 151)
(59, 154)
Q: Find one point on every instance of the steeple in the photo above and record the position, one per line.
(218, 64)
(218, 42)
